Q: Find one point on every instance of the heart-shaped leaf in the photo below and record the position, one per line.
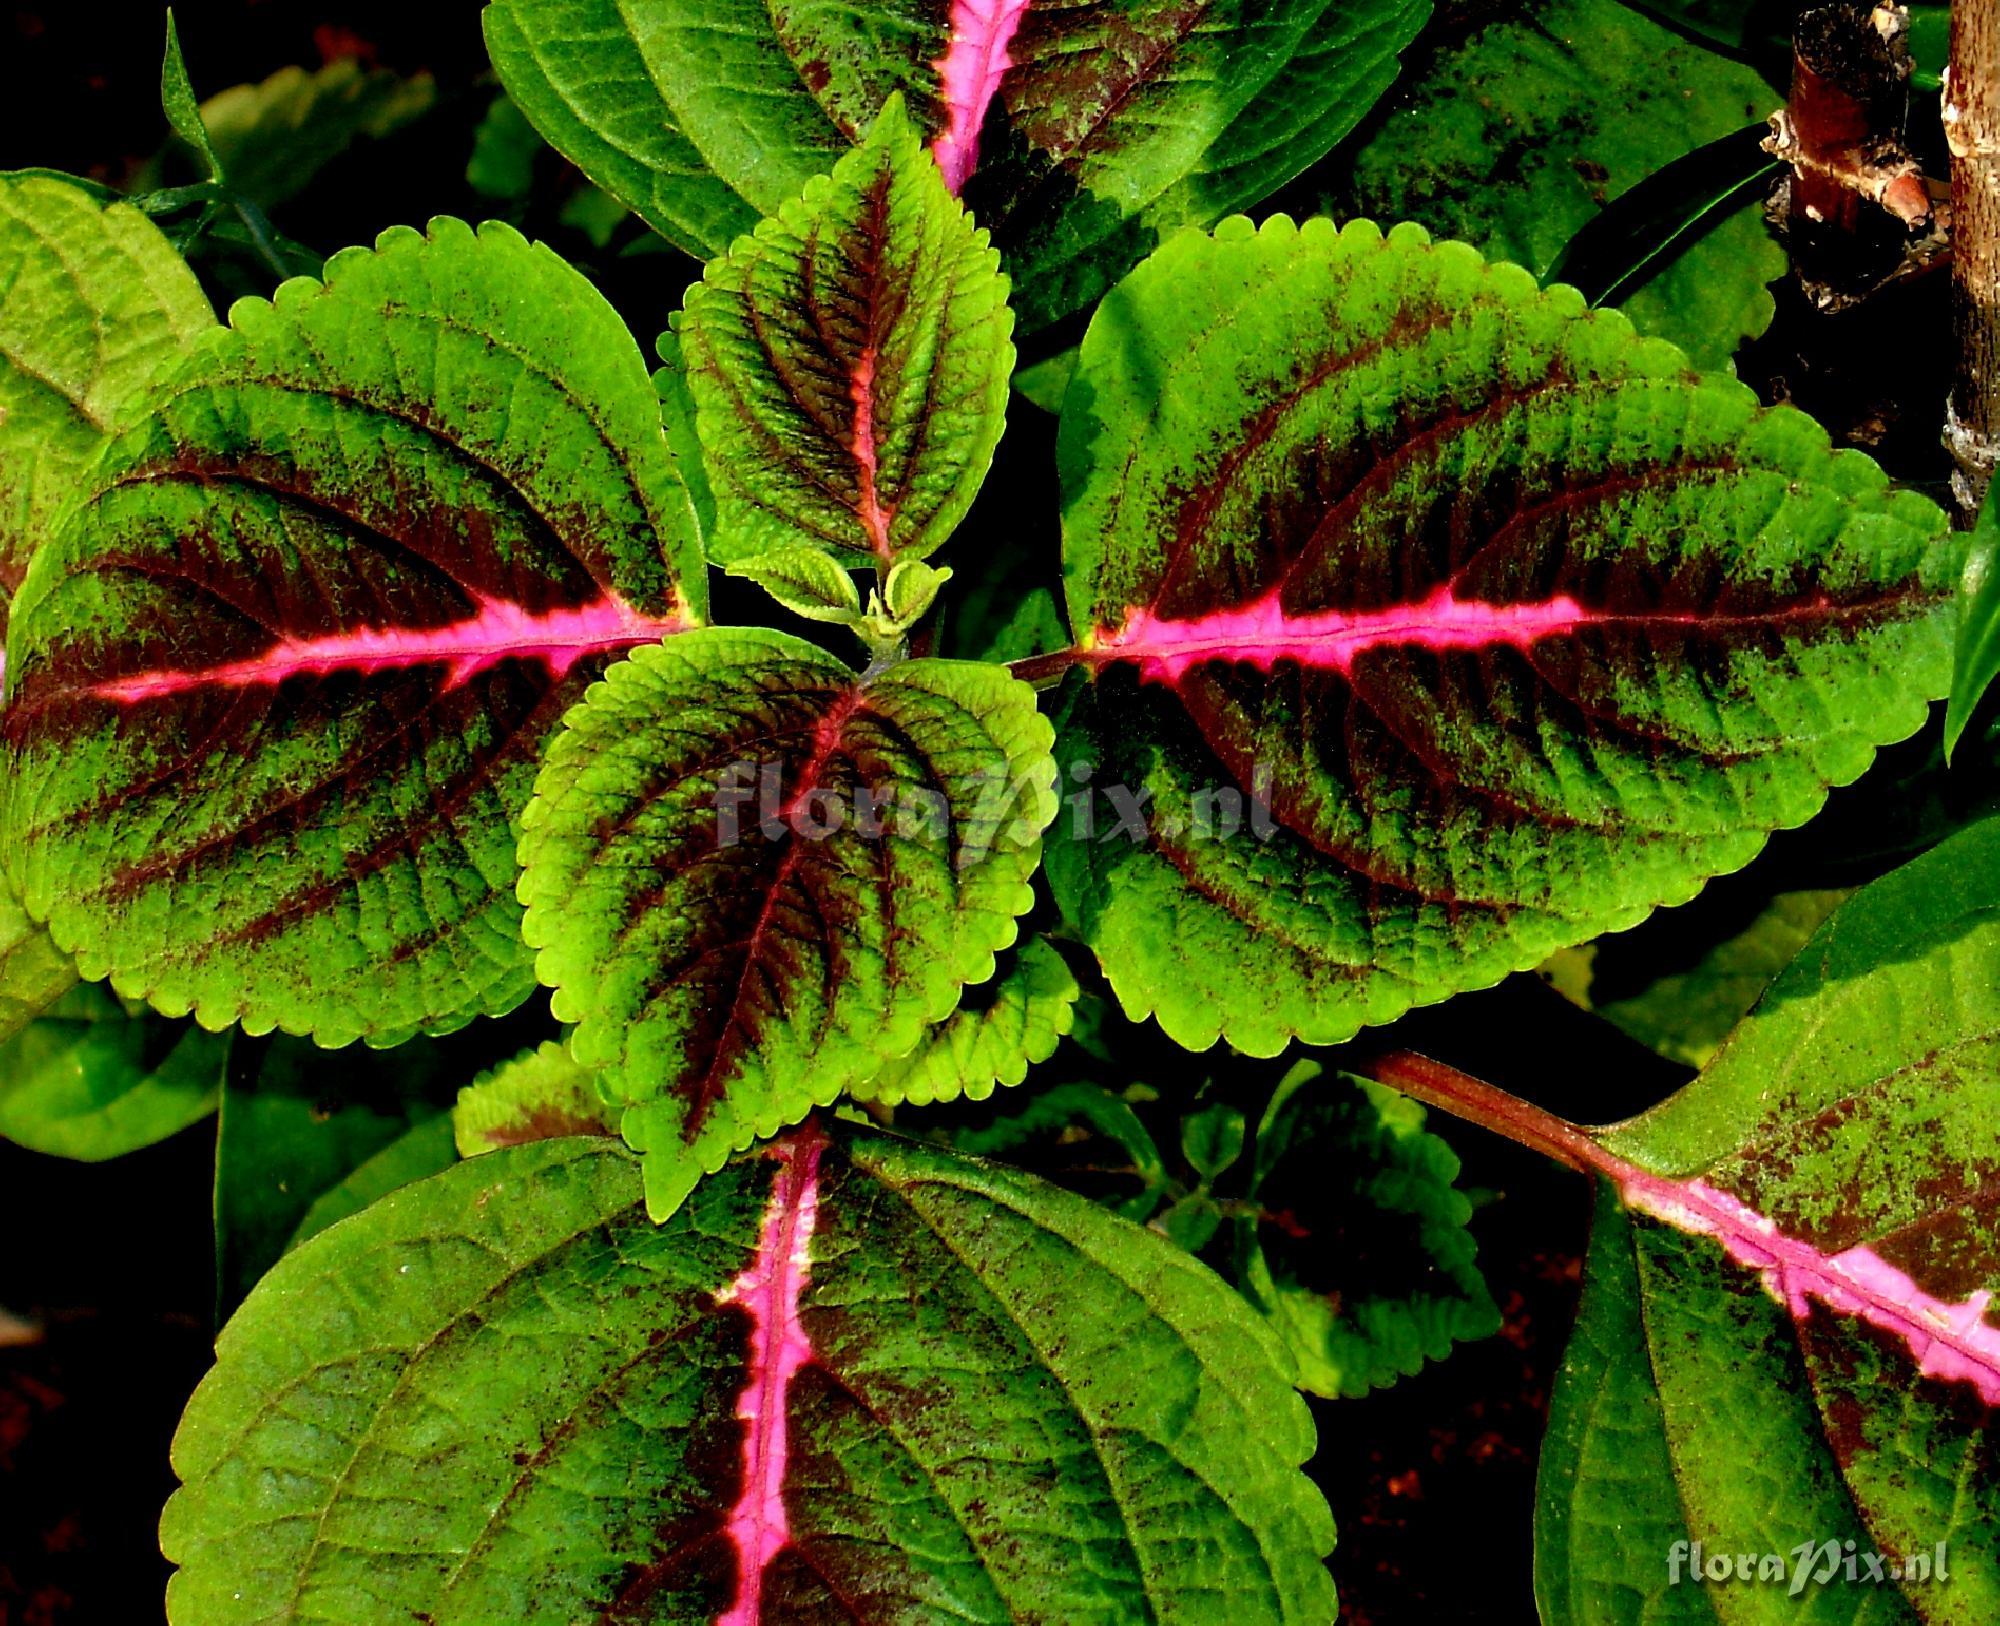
(997, 1033)
(1433, 624)
(1079, 134)
(856, 1380)
(94, 306)
(755, 878)
(280, 686)
(849, 362)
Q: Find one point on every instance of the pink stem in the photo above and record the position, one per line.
(1950, 1341)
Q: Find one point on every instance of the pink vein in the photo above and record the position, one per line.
(969, 75)
(501, 630)
(769, 1289)
(862, 391)
(1262, 632)
(1950, 1341)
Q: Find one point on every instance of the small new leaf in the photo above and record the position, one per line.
(756, 877)
(807, 581)
(182, 106)
(849, 362)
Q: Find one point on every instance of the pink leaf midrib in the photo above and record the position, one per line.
(770, 1289)
(1263, 632)
(500, 630)
(969, 77)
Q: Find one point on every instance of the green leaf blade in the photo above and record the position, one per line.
(317, 617)
(97, 306)
(1495, 627)
(524, 1317)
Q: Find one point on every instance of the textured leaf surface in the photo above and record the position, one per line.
(539, 1095)
(850, 361)
(88, 1079)
(1522, 130)
(94, 305)
(756, 878)
(1843, 1146)
(1977, 660)
(1079, 134)
(1358, 1252)
(280, 686)
(863, 1381)
(997, 1033)
(1492, 626)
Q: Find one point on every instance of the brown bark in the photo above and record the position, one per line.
(1972, 126)
(1855, 209)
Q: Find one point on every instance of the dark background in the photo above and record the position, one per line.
(1431, 1482)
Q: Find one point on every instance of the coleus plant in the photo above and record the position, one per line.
(1419, 622)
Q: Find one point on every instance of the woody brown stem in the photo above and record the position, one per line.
(1855, 194)
(1972, 127)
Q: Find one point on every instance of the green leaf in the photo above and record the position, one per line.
(91, 1080)
(1080, 135)
(34, 973)
(1816, 1253)
(1977, 660)
(1080, 1129)
(579, 71)
(1461, 625)
(1000, 1029)
(1212, 1140)
(177, 99)
(1685, 1015)
(910, 589)
(426, 1148)
(1606, 1509)
(1358, 1251)
(850, 361)
(1574, 104)
(504, 150)
(274, 138)
(504, 1394)
(756, 878)
(806, 581)
(539, 1095)
(291, 1130)
(94, 306)
(280, 686)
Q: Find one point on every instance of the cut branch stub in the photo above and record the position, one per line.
(281, 684)
(1444, 624)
